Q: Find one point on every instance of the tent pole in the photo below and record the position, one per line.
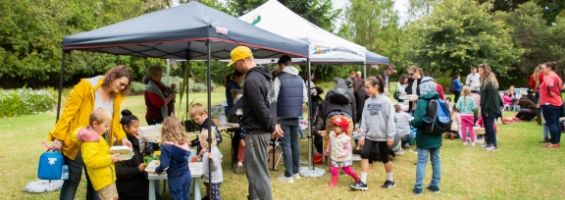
(310, 171)
(209, 91)
(365, 70)
(310, 152)
(187, 76)
(61, 83)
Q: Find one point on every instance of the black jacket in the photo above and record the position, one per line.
(257, 115)
(131, 183)
(408, 90)
(490, 100)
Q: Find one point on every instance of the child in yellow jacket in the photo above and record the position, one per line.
(96, 157)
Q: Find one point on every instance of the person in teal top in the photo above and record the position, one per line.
(427, 144)
(466, 107)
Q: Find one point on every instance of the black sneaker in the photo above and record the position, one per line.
(388, 184)
(417, 191)
(434, 189)
(359, 186)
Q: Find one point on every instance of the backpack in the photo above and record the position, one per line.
(339, 97)
(51, 166)
(437, 119)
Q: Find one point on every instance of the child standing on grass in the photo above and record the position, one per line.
(377, 131)
(215, 166)
(428, 144)
(94, 150)
(467, 107)
(174, 158)
(340, 148)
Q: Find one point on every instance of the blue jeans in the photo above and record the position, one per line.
(70, 186)
(545, 129)
(490, 133)
(551, 115)
(421, 167)
(290, 146)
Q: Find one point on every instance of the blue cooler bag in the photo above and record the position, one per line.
(51, 166)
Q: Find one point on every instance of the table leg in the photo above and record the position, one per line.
(196, 185)
(152, 189)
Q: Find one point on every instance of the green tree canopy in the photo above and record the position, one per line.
(457, 35)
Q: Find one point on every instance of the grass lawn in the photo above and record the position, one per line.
(519, 169)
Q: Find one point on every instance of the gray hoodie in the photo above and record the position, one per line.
(377, 120)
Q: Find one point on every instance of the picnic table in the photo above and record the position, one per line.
(195, 170)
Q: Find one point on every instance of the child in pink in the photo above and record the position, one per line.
(466, 107)
(340, 148)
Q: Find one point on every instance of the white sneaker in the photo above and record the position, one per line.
(296, 176)
(285, 179)
(401, 152)
(465, 143)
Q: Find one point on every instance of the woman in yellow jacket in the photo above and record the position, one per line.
(97, 92)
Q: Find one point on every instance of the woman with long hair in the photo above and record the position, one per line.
(415, 75)
(490, 104)
(106, 92)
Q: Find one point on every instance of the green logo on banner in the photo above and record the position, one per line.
(256, 20)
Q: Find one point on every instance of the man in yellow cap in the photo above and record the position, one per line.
(257, 122)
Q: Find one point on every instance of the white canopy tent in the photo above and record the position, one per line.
(324, 47)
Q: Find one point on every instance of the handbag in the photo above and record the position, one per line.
(51, 166)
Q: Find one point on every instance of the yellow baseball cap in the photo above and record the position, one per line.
(238, 53)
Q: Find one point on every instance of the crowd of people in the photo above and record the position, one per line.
(356, 116)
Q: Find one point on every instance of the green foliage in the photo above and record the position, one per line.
(32, 31)
(374, 25)
(319, 12)
(551, 8)
(529, 31)
(137, 88)
(26, 101)
(457, 35)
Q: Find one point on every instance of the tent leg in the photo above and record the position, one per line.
(310, 171)
(364, 70)
(209, 91)
(61, 83)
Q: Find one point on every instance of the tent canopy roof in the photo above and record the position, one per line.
(324, 47)
(182, 33)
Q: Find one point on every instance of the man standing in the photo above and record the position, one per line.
(473, 80)
(290, 94)
(257, 122)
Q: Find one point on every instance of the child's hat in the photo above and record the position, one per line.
(341, 122)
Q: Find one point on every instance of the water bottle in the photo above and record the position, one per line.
(65, 172)
(141, 145)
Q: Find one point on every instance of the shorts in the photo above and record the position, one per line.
(109, 192)
(384, 151)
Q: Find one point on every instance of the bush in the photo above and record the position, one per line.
(26, 101)
(137, 88)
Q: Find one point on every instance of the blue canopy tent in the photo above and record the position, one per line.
(190, 31)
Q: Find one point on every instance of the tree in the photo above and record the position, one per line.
(529, 31)
(457, 35)
(32, 31)
(373, 24)
(319, 12)
(551, 8)
(420, 8)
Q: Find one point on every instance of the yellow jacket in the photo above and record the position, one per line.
(78, 107)
(97, 160)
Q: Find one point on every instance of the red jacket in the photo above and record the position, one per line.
(440, 92)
